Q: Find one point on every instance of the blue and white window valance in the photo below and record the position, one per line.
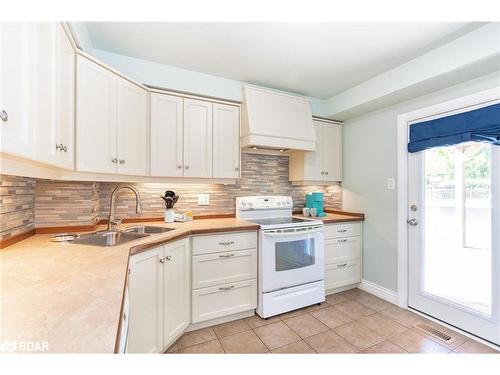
(479, 125)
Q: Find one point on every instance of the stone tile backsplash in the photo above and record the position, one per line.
(26, 201)
(17, 205)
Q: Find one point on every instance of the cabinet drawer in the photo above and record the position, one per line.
(223, 268)
(342, 274)
(215, 302)
(339, 249)
(223, 242)
(342, 230)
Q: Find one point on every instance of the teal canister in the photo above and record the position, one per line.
(309, 200)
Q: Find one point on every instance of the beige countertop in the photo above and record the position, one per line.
(69, 295)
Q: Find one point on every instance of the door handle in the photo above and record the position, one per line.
(412, 222)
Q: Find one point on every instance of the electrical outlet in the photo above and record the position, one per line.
(391, 183)
(203, 200)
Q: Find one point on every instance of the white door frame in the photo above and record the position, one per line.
(462, 104)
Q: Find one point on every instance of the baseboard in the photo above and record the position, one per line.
(379, 291)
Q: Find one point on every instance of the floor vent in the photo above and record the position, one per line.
(435, 332)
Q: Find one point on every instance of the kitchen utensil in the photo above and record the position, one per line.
(169, 193)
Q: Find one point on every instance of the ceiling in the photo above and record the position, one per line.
(313, 59)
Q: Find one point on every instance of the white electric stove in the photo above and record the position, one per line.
(291, 254)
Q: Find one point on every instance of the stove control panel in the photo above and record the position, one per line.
(263, 203)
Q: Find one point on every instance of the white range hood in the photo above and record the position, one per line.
(273, 120)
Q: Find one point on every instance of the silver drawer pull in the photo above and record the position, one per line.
(341, 265)
(226, 255)
(227, 287)
(341, 230)
(342, 240)
(226, 243)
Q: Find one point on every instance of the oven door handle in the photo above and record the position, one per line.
(273, 233)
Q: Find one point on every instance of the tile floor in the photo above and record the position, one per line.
(348, 322)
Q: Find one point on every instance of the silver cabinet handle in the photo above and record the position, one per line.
(226, 243)
(341, 230)
(4, 116)
(186, 167)
(342, 240)
(162, 260)
(179, 166)
(168, 257)
(237, 169)
(226, 255)
(59, 146)
(122, 161)
(341, 265)
(114, 160)
(412, 222)
(227, 287)
(322, 173)
(326, 173)
(65, 149)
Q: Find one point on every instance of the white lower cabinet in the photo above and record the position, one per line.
(176, 290)
(218, 301)
(224, 275)
(227, 267)
(343, 249)
(342, 274)
(159, 297)
(145, 333)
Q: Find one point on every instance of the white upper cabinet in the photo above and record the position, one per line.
(54, 85)
(16, 88)
(166, 135)
(111, 122)
(197, 138)
(226, 141)
(313, 161)
(96, 117)
(324, 165)
(132, 147)
(332, 161)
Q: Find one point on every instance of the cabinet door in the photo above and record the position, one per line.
(313, 160)
(16, 88)
(333, 152)
(132, 146)
(96, 117)
(54, 96)
(226, 141)
(65, 98)
(176, 290)
(197, 138)
(166, 135)
(145, 333)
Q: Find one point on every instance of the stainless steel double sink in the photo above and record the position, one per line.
(114, 238)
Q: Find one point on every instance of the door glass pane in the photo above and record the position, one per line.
(457, 255)
(294, 254)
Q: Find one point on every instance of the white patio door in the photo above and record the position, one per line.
(454, 236)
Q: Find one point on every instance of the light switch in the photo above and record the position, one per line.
(391, 183)
(203, 200)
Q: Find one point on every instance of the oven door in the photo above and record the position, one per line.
(291, 257)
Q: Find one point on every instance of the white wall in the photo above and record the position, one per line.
(369, 158)
(177, 79)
